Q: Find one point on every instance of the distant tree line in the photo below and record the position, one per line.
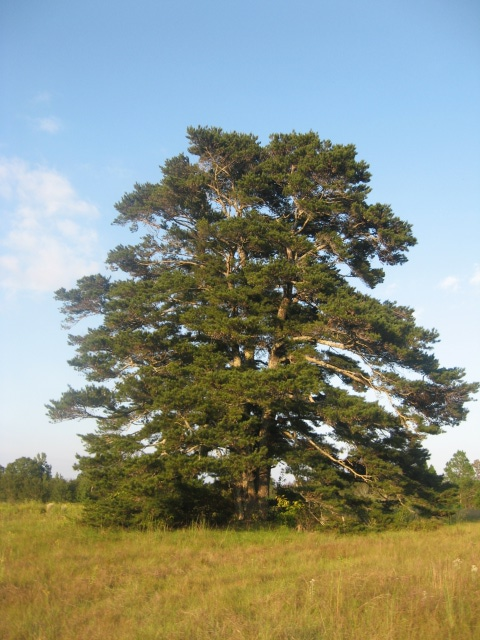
(463, 477)
(457, 490)
(32, 479)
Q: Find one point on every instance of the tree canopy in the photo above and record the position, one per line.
(459, 468)
(240, 337)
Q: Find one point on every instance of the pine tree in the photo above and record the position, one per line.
(240, 337)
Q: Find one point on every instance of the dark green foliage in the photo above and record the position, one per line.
(236, 340)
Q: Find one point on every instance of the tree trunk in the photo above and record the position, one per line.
(251, 495)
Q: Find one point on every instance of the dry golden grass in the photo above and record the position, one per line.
(63, 581)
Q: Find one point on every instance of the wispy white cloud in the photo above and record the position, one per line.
(42, 97)
(475, 279)
(47, 235)
(455, 284)
(50, 124)
(450, 283)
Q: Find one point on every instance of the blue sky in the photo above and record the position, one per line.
(96, 95)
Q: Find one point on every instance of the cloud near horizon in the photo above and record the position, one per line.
(47, 230)
(475, 279)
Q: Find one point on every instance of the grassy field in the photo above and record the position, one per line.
(62, 581)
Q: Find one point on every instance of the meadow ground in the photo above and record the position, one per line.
(60, 580)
